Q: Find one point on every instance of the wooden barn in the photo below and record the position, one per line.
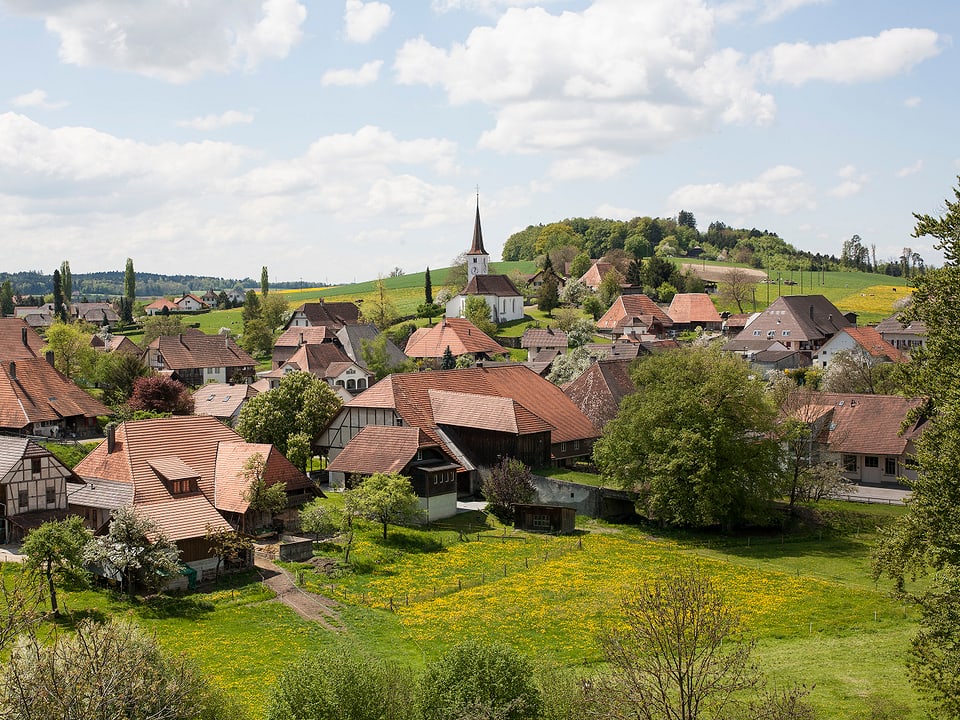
(544, 518)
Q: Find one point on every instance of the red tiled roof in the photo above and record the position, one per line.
(195, 349)
(594, 276)
(33, 391)
(220, 400)
(484, 412)
(870, 340)
(316, 359)
(409, 396)
(459, 334)
(599, 391)
(692, 309)
(161, 303)
(380, 448)
(543, 338)
(627, 308)
(18, 341)
(297, 336)
(183, 518)
(231, 483)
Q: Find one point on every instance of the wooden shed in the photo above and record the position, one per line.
(544, 518)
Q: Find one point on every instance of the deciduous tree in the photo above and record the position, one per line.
(229, 546)
(695, 440)
(318, 518)
(262, 497)
(6, 299)
(274, 311)
(477, 311)
(380, 309)
(674, 653)
(135, 550)
(505, 484)
(161, 394)
(264, 282)
(301, 403)
(73, 355)
(737, 287)
(129, 289)
(388, 499)
(55, 549)
(66, 280)
(548, 297)
(116, 374)
(157, 325)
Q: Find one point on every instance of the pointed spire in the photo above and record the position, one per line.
(477, 247)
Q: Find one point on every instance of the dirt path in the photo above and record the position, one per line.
(307, 605)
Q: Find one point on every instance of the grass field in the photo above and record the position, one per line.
(809, 603)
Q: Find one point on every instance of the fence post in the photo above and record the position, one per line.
(459, 583)
(504, 570)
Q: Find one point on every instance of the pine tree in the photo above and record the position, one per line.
(58, 307)
(448, 362)
(427, 288)
(129, 291)
(264, 281)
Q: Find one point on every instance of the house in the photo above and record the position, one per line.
(36, 399)
(410, 452)
(190, 303)
(33, 487)
(161, 306)
(198, 358)
(596, 273)
(329, 363)
(634, 314)
(475, 416)
(292, 339)
(599, 391)
(222, 400)
(498, 291)
(535, 340)
(865, 341)
(210, 299)
(536, 280)
(333, 315)
(102, 314)
(798, 322)
(185, 474)
(116, 344)
(863, 434)
(778, 359)
(692, 310)
(458, 334)
(904, 337)
(236, 296)
(18, 341)
(353, 337)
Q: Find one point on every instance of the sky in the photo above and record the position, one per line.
(335, 140)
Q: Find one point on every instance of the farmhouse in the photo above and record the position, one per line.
(599, 391)
(634, 315)
(33, 487)
(597, 272)
(329, 363)
(866, 342)
(294, 338)
(475, 416)
(18, 341)
(797, 322)
(198, 358)
(333, 315)
(692, 310)
(458, 334)
(536, 340)
(860, 433)
(903, 336)
(182, 473)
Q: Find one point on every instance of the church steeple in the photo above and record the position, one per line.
(477, 257)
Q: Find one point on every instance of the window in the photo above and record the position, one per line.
(871, 461)
(183, 486)
(786, 333)
(849, 463)
(756, 333)
(890, 466)
(541, 522)
(23, 498)
(36, 466)
(51, 495)
(771, 333)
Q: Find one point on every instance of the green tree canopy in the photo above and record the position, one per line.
(301, 403)
(6, 299)
(477, 311)
(694, 440)
(548, 298)
(55, 549)
(387, 498)
(72, 353)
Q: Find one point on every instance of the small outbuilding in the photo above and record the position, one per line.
(544, 518)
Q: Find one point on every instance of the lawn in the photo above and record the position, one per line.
(809, 603)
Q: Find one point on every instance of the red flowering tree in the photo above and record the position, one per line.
(158, 393)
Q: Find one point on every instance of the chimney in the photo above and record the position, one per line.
(811, 312)
(300, 344)
(13, 370)
(111, 438)
(49, 356)
(23, 335)
(180, 336)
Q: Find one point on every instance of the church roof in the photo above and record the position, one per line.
(476, 248)
(497, 285)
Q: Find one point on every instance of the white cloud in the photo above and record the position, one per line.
(484, 7)
(856, 60)
(214, 122)
(852, 182)
(912, 102)
(616, 213)
(765, 10)
(38, 99)
(910, 169)
(364, 21)
(780, 189)
(170, 40)
(364, 75)
(619, 78)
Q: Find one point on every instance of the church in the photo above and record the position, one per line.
(505, 301)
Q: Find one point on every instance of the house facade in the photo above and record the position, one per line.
(865, 341)
(905, 337)
(190, 303)
(798, 322)
(198, 358)
(333, 315)
(33, 487)
(636, 315)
